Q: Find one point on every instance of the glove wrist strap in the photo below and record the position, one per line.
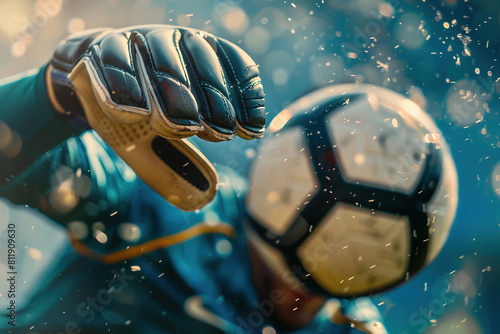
(61, 93)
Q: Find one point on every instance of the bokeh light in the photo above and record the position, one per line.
(235, 20)
(258, 40)
(129, 232)
(274, 20)
(466, 102)
(78, 229)
(409, 31)
(76, 24)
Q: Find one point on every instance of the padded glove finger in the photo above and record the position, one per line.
(202, 63)
(174, 109)
(247, 93)
(113, 76)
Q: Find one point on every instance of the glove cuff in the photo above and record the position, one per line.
(61, 93)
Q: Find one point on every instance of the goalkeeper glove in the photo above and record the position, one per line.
(145, 88)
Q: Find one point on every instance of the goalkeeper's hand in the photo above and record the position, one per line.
(136, 85)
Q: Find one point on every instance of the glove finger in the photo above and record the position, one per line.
(210, 87)
(116, 80)
(69, 51)
(246, 88)
(174, 108)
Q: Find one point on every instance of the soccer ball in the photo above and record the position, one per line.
(356, 190)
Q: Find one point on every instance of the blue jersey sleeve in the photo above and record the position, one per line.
(29, 125)
(81, 179)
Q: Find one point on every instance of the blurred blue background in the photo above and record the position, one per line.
(441, 54)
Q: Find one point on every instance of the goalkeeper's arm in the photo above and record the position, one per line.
(134, 86)
(29, 125)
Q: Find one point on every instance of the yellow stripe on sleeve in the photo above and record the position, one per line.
(152, 245)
